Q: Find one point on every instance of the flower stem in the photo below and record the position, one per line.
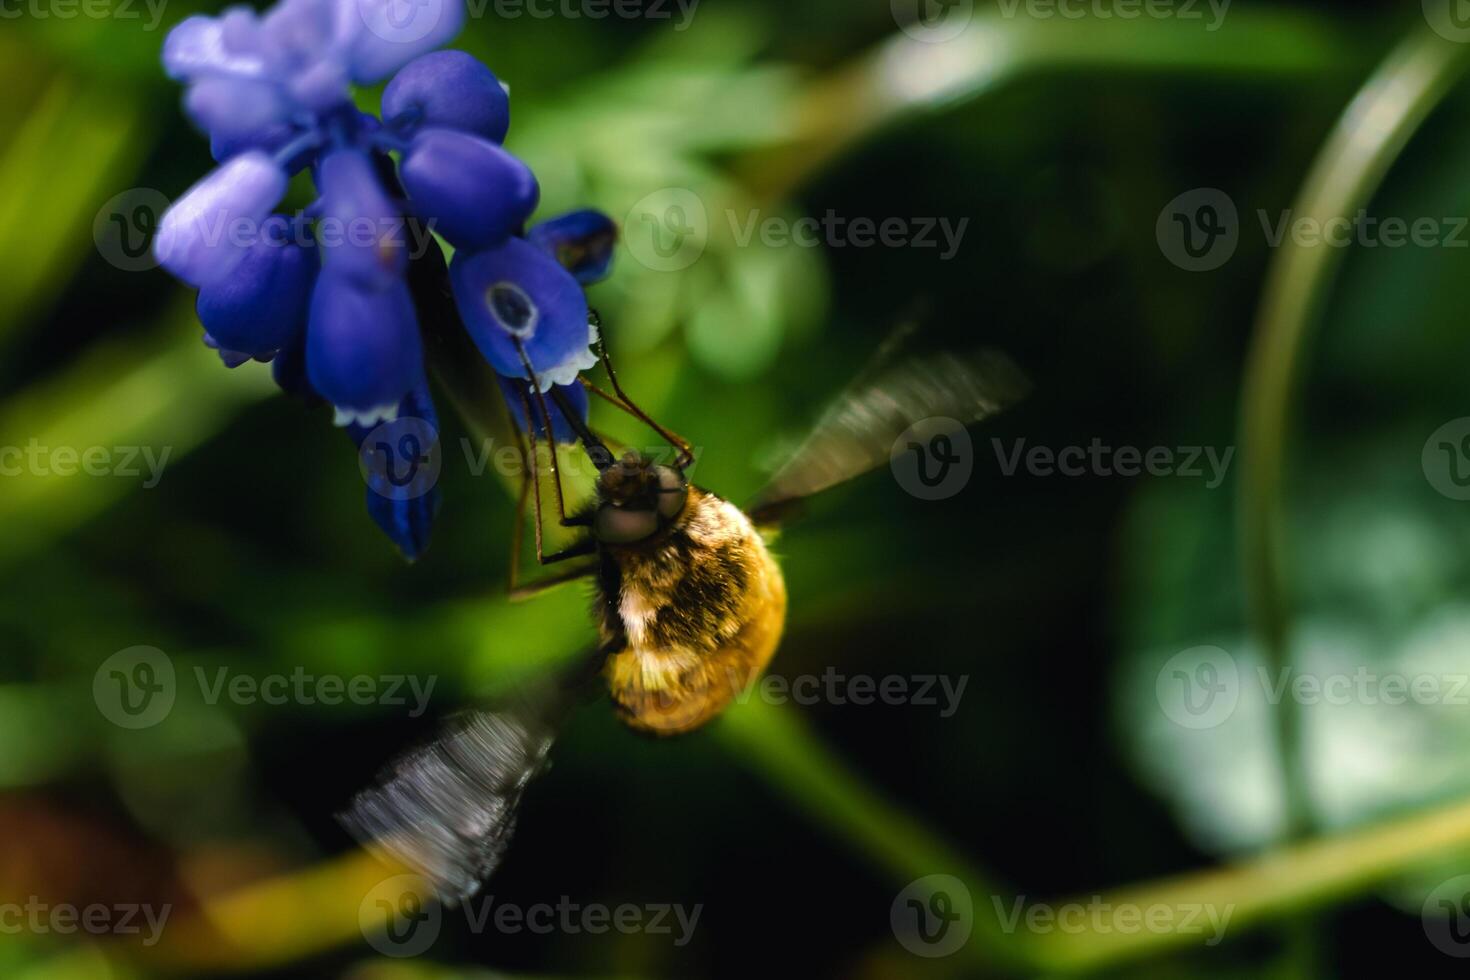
(1371, 133)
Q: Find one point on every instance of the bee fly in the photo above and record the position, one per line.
(690, 604)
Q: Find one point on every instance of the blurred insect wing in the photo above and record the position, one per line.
(857, 432)
(447, 810)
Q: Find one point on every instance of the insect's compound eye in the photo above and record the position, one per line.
(673, 492)
(619, 525)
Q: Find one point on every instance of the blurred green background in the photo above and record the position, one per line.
(795, 827)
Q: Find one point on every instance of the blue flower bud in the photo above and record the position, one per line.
(363, 352)
(208, 231)
(517, 292)
(391, 33)
(518, 393)
(197, 46)
(470, 190)
(237, 112)
(452, 90)
(582, 241)
(402, 499)
(361, 232)
(261, 307)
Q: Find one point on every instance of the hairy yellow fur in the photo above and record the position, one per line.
(694, 617)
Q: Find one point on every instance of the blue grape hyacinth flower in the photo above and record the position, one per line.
(324, 294)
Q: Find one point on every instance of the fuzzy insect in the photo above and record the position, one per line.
(690, 604)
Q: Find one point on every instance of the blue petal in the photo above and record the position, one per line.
(514, 292)
(399, 461)
(288, 370)
(197, 47)
(261, 307)
(518, 392)
(452, 90)
(236, 110)
(582, 241)
(208, 231)
(394, 32)
(361, 231)
(473, 192)
(229, 358)
(363, 352)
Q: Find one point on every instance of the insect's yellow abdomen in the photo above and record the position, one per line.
(697, 615)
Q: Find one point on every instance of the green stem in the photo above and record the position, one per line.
(1371, 133)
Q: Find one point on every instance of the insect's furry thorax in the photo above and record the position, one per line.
(690, 616)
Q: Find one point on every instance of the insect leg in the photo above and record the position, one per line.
(686, 453)
(545, 418)
(520, 593)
